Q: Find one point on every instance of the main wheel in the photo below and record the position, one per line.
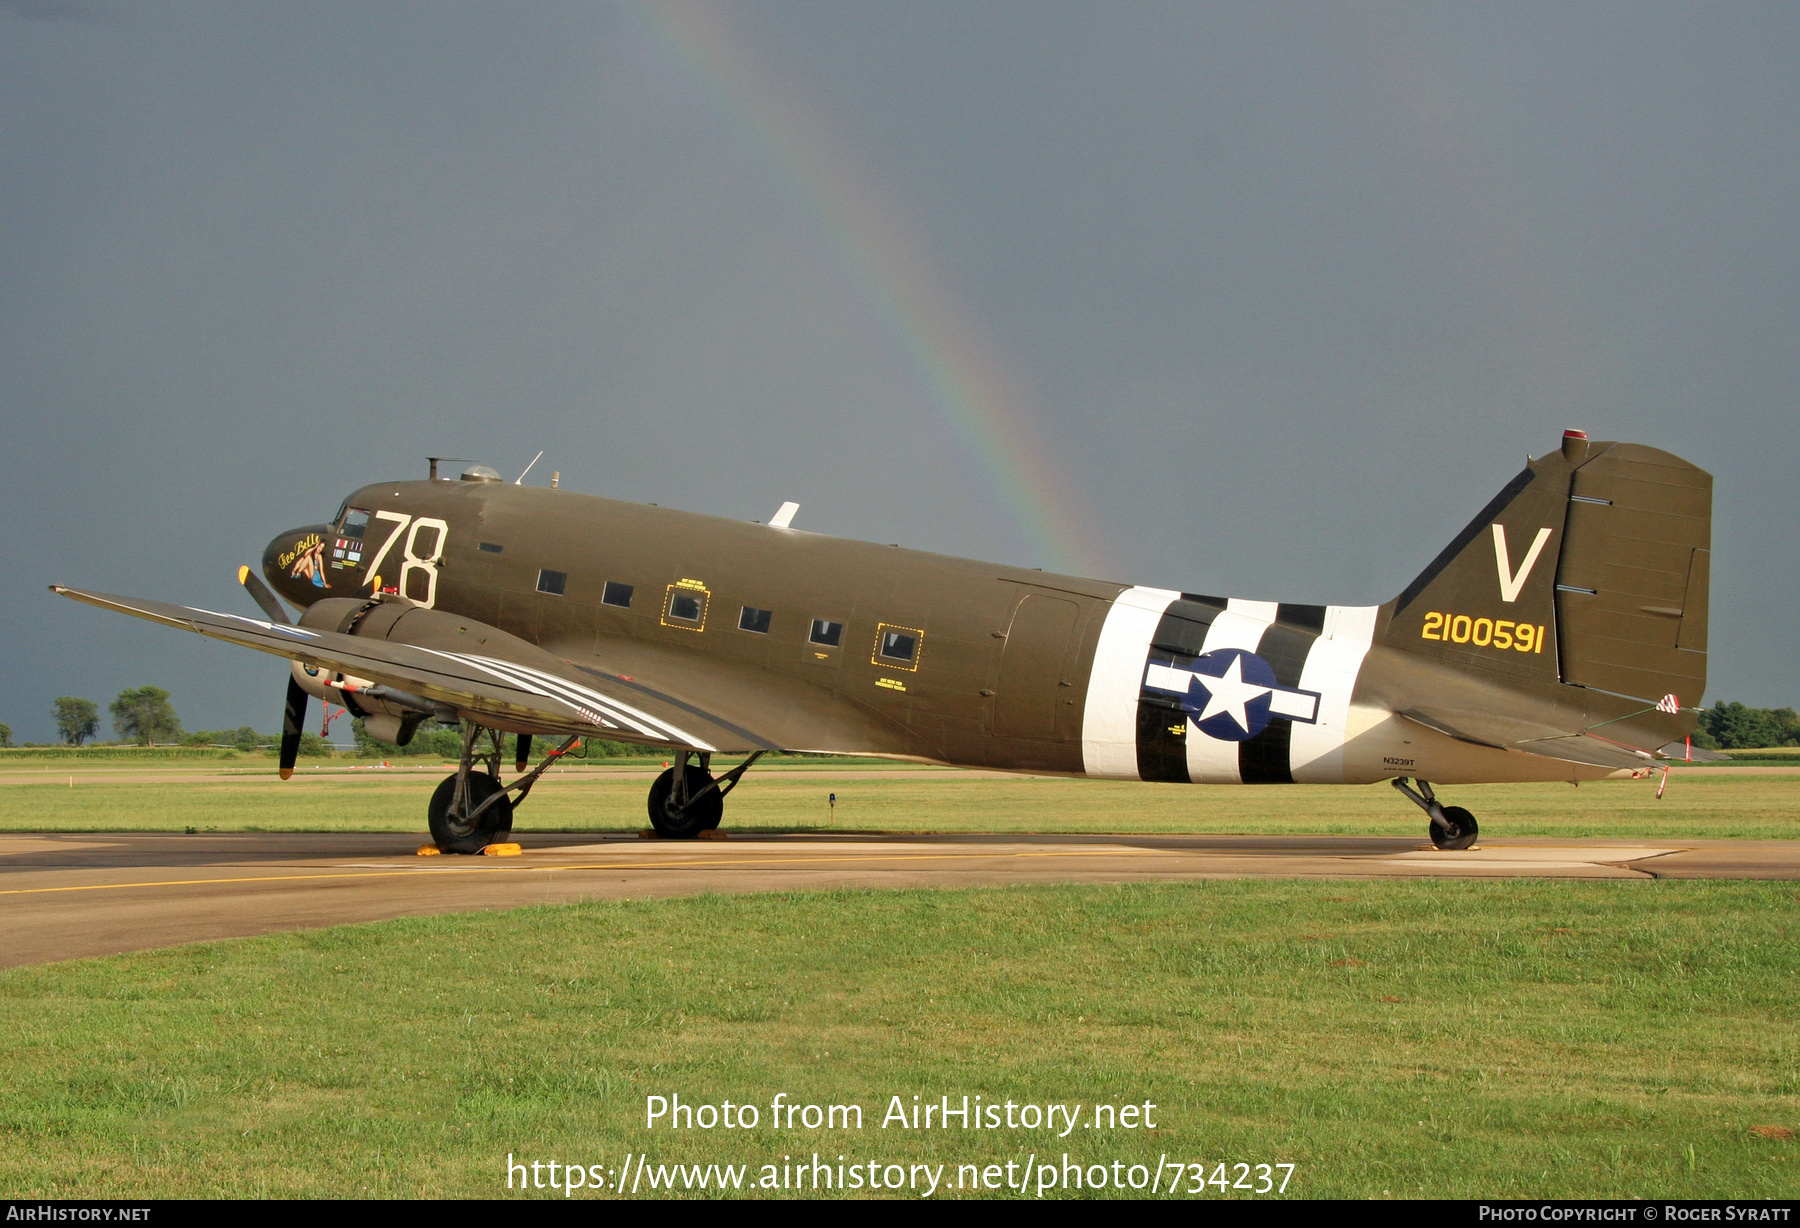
(700, 815)
(457, 834)
(1458, 831)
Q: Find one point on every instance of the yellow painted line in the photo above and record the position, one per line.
(201, 882)
(480, 869)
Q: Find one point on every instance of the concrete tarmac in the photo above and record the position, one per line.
(67, 896)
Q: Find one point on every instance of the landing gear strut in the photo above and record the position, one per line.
(686, 800)
(1452, 827)
(471, 809)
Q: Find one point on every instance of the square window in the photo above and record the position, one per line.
(752, 619)
(617, 594)
(489, 548)
(827, 633)
(355, 521)
(897, 647)
(552, 582)
(685, 604)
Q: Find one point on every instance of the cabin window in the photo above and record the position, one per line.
(752, 619)
(685, 604)
(827, 633)
(897, 647)
(355, 521)
(490, 548)
(552, 581)
(617, 594)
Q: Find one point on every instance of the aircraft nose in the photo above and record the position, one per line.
(297, 564)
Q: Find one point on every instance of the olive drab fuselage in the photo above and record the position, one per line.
(1512, 657)
(993, 678)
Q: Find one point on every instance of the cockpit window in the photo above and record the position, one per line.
(354, 522)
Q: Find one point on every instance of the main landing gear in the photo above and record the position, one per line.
(686, 800)
(1452, 827)
(471, 809)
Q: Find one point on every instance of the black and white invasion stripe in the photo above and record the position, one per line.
(590, 705)
(1133, 733)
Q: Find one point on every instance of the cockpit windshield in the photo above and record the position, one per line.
(351, 523)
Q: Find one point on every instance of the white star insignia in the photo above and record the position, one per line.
(1229, 693)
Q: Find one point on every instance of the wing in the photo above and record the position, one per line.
(508, 682)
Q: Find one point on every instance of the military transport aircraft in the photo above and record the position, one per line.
(1560, 636)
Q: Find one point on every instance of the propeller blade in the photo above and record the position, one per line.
(293, 717)
(522, 755)
(264, 596)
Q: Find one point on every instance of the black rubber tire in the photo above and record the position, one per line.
(702, 815)
(1458, 831)
(493, 826)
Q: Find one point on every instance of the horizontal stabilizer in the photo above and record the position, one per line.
(1531, 738)
(1585, 748)
(1682, 752)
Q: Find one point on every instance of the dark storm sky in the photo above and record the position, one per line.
(1257, 299)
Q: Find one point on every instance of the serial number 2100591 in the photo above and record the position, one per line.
(1482, 632)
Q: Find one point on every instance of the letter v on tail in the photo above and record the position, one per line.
(1511, 583)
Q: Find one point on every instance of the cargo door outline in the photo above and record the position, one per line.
(1030, 690)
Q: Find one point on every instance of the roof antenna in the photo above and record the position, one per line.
(434, 463)
(534, 460)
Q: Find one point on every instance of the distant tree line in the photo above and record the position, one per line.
(1735, 726)
(146, 716)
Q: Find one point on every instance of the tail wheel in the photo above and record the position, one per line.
(700, 814)
(460, 834)
(1458, 830)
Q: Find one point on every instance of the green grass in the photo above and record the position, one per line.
(1766, 756)
(1450, 1039)
(788, 799)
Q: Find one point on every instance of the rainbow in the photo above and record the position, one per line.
(939, 346)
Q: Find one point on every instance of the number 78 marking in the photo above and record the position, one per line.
(413, 561)
(400, 522)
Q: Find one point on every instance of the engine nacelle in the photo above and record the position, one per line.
(388, 714)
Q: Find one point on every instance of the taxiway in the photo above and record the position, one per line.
(67, 896)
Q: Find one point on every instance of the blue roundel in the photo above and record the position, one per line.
(1238, 701)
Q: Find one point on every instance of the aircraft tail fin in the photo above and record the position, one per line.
(1590, 569)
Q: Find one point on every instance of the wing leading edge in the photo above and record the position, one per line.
(525, 687)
